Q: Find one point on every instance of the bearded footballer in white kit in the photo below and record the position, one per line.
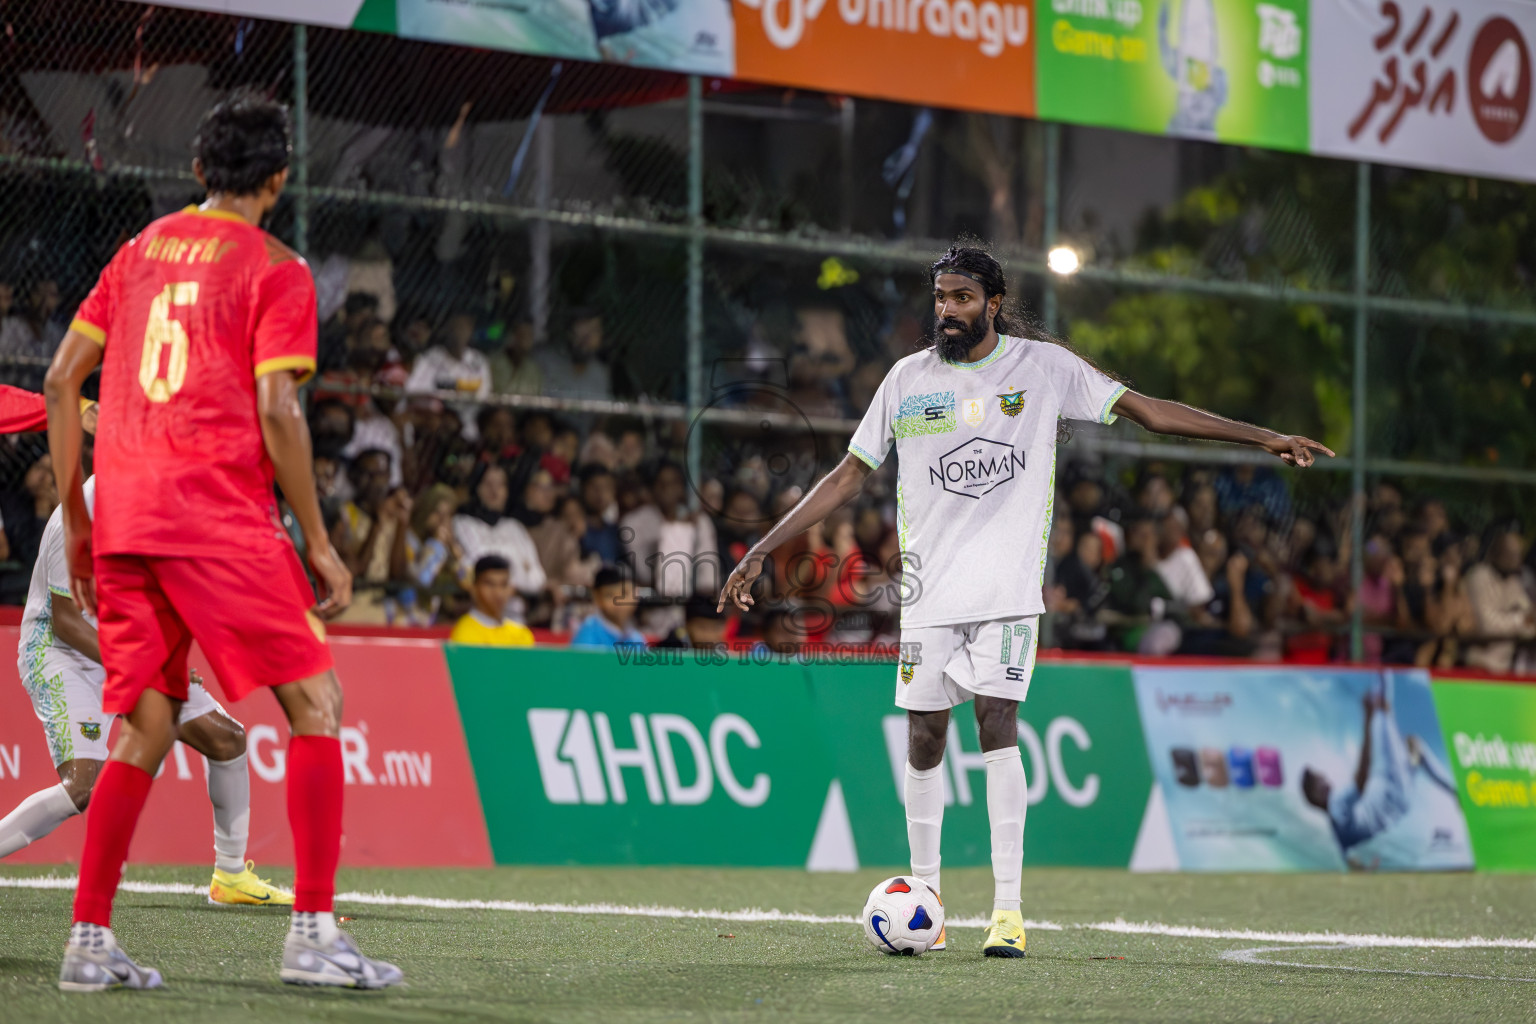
(974, 420)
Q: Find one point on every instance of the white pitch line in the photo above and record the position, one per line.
(1120, 927)
(1336, 938)
(1251, 956)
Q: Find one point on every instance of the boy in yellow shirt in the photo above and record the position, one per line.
(485, 626)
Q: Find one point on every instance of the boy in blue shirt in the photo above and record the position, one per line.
(612, 623)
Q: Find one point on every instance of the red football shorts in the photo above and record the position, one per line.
(251, 616)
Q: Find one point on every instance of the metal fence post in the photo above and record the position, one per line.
(300, 159)
(695, 327)
(1358, 386)
(1052, 215)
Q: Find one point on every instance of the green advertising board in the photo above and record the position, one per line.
(1227, 70)
(1490, 736)
(667, 758)
(1084, 759)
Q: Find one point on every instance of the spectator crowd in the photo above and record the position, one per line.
(451, 506)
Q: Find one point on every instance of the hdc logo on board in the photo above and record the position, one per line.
(581, 762)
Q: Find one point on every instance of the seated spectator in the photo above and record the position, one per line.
(513, 368)
(374, 525)
(1178, 564)
(1241, 487)
(1223, 627)
(435, 554)
(671, 547)
(573, 514)
(740, 526)
(34, 331)
(561, 455)
(1417, 599)
(25, 517)
(1082, 592)
(336, 332)
(577, 369)
(1501, 606)
(453, 365)
(1154, 497)
(600, 502)
(372, 430)
(559, 550)
(1318, 608)
(485, 624)
(1378, 592)
(1138, 597)
(703, 627)
(497, 427)
(1436, 524)
(485, 526)
(537, 430)
(611, 623)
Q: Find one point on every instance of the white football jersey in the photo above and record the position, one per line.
(976, 472)
(50, 575)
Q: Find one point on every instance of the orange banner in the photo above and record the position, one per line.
(967, 54)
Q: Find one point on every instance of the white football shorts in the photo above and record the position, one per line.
(953, 664)
(67, 701)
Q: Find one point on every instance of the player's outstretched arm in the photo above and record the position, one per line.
(1163, 417)
(831, 493)
(286, 435)
(77, 356)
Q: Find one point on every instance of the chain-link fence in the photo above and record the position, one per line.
(644, 265)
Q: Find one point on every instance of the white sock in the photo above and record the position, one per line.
(317, 926)
(95, 937)
(229, 790)
(925, 820)
(1007, 799)
(35, 817)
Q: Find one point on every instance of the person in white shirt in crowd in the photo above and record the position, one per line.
(1179, 565)
(484, 526)
(454, 366)
(1501, 606)
(672, 548)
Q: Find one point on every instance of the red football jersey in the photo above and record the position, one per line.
(190, 313)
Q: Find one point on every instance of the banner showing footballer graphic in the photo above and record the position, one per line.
(695, 36)
(1294, 769)
(1224, 70)
(1490, 731)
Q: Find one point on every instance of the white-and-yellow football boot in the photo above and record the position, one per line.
(1006, 936)
(245, 887)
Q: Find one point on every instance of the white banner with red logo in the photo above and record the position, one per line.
(1442, 84)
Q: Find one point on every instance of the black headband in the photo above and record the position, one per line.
(963, 273)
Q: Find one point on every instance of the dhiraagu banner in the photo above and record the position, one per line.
(1225, 70)
(1490, 733)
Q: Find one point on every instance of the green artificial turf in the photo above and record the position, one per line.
(221, 963)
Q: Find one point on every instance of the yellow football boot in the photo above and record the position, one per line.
(1006, 936)
(244, 887)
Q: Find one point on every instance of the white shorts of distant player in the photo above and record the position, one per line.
(68, 703)
(945, 666)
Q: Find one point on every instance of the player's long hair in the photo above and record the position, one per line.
(972, 256)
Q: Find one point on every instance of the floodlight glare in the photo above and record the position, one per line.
(1063, 260)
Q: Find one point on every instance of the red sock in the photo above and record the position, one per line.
(314, 814)
(119, 796)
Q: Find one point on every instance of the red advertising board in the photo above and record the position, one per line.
(410, 800)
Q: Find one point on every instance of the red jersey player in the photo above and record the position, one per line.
(204, 327)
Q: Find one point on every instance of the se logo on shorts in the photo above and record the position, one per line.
(907, 668)
(91, 730)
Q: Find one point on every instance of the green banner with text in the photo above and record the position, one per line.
(677, 757)
(1490, 737)
(1225, 70)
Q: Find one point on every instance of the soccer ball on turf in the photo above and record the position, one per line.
(903, 917)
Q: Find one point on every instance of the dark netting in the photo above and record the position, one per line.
(572, 277)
